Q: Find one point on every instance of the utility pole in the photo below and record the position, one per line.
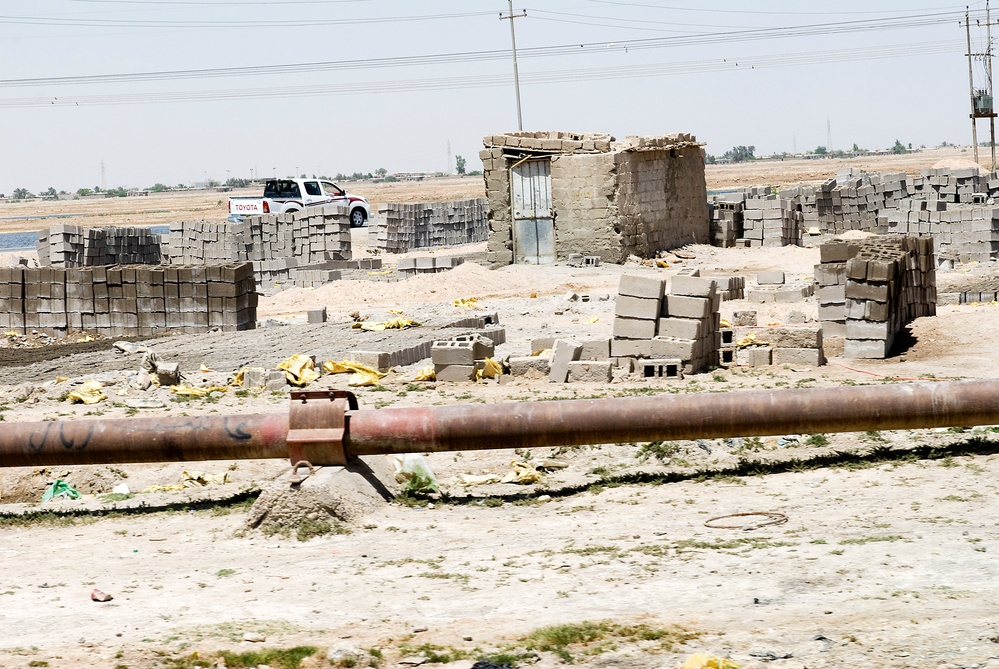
(829, 135)
(449, 163)
(981, 98)
(516, 74)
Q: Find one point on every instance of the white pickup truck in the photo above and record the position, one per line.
(282, 196)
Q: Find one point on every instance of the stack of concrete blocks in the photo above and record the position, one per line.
(458, 358)
(428, 264)
(727, 219)
(952, 185)
(579, 260)
(771, 221)
(613, 199)
(313, 277)
(969, 231)
(129, 300)
(772, 287)
(830, 277)
(206, 242)
(75, 246)
(637, 311)
(400, 228)
(796, 346)
(888, 282)
(731, 287)
(689, 328)
(383, 361)
(273, 380)
(982, 292)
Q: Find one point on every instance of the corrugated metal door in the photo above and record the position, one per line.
(533, 225)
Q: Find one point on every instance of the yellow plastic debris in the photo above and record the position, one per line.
(662, 264)
(88, 393)
(725, 323)
(237, 381)
(705, 661)
(467, 302)
(772, 324)
(593, 319)
(191, 480)
(383, 272)
(363, 375)
(84, 339)
(299, 369)
(540, 352)
(185, 390)
(425, 374)
(748, 340)
(490, 370)
(522, 473)
(393, 324)
(394, 312)
(61, 379)
(478, 479)
(10, 333)
(534, 296)
(205, 369)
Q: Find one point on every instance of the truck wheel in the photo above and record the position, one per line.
(357, 218)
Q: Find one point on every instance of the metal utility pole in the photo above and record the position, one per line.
(516, 74)
(981, 98)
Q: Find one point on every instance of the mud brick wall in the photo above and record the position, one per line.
(128, 300)
(76, 246)
(886, 283)
(584, 194)
(404, 227)
(612, 199)
(662, 200)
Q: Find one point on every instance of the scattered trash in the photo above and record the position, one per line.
(129, 347)
(748, 340)
(478, 479)
(521, 473)
(593, 319)
(789, 440)
(399, 323)
(184, 390)
(766, 518)
(99, 596)
(490, 370)
(425, 374)
(770, 656)
(363, 375)
(300, 370)
(486, 664)
(705, 661)
(413, 471)
(468, 302)
(662, 264)
(120, 489)
(204, 369)
(192, 480)
(59, 488)
(725, 323)
(89, 392)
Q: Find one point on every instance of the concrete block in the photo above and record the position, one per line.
(542, 344)
(453, 353)
(744, 318)
(673, 347)
(798, 337)
(590, 371)
(856, 329)
(317, 315)
(454, 373)
(631, 348)
(682, 328)
(642, 286)
(482, 346)
(687, 307)
(775, 277)
(808, 357)
(565, 352)
(637, 307)
(634, 328)
(753, 356)
(867, 349)
(596, 349)
(660, 368)
(168, 373)
(692, 286)
(375, 359)
(520, 366)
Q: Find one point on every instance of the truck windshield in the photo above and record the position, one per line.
(281, 188)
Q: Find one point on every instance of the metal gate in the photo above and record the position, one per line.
(533, 223)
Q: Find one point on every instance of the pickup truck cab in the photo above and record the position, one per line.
(282, 196)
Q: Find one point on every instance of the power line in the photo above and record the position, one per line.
(477, 81)
(160, 23)
(700, 39)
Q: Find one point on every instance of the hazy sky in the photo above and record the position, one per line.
(388, 83)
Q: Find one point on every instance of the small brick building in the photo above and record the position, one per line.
(555, 193)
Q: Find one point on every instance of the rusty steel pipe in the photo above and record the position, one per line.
(506, 425)
(694, 416)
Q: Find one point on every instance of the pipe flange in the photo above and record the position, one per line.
(317, 426)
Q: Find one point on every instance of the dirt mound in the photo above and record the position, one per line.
(958, 163)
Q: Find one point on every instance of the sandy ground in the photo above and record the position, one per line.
(883, 560)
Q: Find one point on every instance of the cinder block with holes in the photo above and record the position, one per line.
(660, 369)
